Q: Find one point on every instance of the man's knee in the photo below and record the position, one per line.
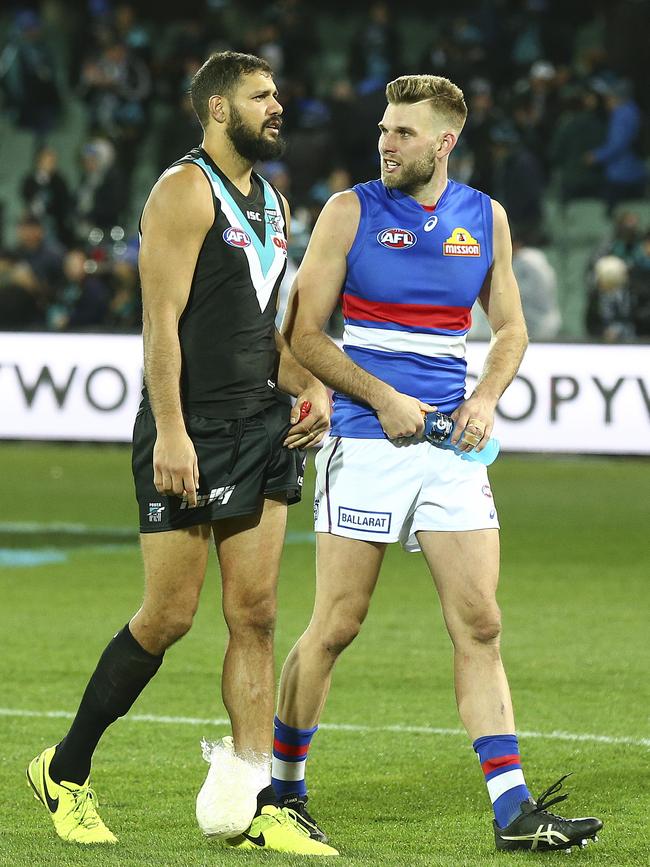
(480, 624)
(168, 622)
(252, 617)
(337, 633)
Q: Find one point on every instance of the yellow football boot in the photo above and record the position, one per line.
(72, 808)
(276, 830)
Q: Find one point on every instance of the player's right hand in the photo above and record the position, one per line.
(401, 416)
(176, 466)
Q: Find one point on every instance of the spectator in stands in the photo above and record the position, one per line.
(375, 52)
(46, 194)
(625, 172)
(623, 241)
(609, 306)
(116, 85)
(543, 100)
(19, 300)
(482, 117)
(40, 257)
(580, 129)
(517, 181)
(101, 192)
(640, 287)
(125, 309)
(538, 286)
(311, 141)
(339, 179)
(458, 50)
(298, 38)
(28, 75)
(537, 282)
(82, 299)
(178, 133)
(350, 138)
(133, 33)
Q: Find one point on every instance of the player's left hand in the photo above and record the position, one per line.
(309, 430)
(473, 423)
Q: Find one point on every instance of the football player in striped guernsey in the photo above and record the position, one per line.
(210, 446)
(408, 255)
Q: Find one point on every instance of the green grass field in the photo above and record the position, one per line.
(574, 594)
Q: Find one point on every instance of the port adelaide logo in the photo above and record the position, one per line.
(397, 239)
(236, 237)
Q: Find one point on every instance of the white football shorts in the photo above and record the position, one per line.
(376, 490)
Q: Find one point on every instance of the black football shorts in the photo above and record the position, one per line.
(240, 462)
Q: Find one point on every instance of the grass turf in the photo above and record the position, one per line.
(574, 596)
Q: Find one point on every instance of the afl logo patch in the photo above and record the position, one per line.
(396, 239)
(236, 237)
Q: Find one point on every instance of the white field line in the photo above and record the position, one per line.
(29, 527)
(129, 534)
(342, 727)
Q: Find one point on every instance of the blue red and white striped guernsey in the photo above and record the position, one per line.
(413, 275)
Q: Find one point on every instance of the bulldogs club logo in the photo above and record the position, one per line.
(397, 239)
(236, 237)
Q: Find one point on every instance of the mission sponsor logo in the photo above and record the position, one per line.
(236, 237)
(397, 239)
(359, 519)
(461, 243)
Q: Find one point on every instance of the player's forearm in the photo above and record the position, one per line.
(502, 361)
(293, 378)
(327, 362)
(162, 374)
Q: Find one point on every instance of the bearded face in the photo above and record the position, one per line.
(255, 143)
(408, 177)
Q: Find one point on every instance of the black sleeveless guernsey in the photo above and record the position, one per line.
(227, 336)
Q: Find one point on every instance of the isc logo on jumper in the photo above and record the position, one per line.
(220, 496)
(396, 239)
(236, 237)
(461, 243)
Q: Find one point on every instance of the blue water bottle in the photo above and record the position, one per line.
(438, 428)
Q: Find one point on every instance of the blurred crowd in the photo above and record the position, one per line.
(557, 100)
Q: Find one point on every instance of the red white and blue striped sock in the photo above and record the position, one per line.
(501, 763)
(290, 747)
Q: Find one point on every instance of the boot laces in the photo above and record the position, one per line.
(288, 816)
(546, 800)
(84, 807)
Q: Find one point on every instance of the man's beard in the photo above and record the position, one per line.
(413, 177)
(252, 146)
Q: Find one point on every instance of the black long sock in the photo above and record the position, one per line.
(123, 671)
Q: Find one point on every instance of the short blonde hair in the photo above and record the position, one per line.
(446, 98)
